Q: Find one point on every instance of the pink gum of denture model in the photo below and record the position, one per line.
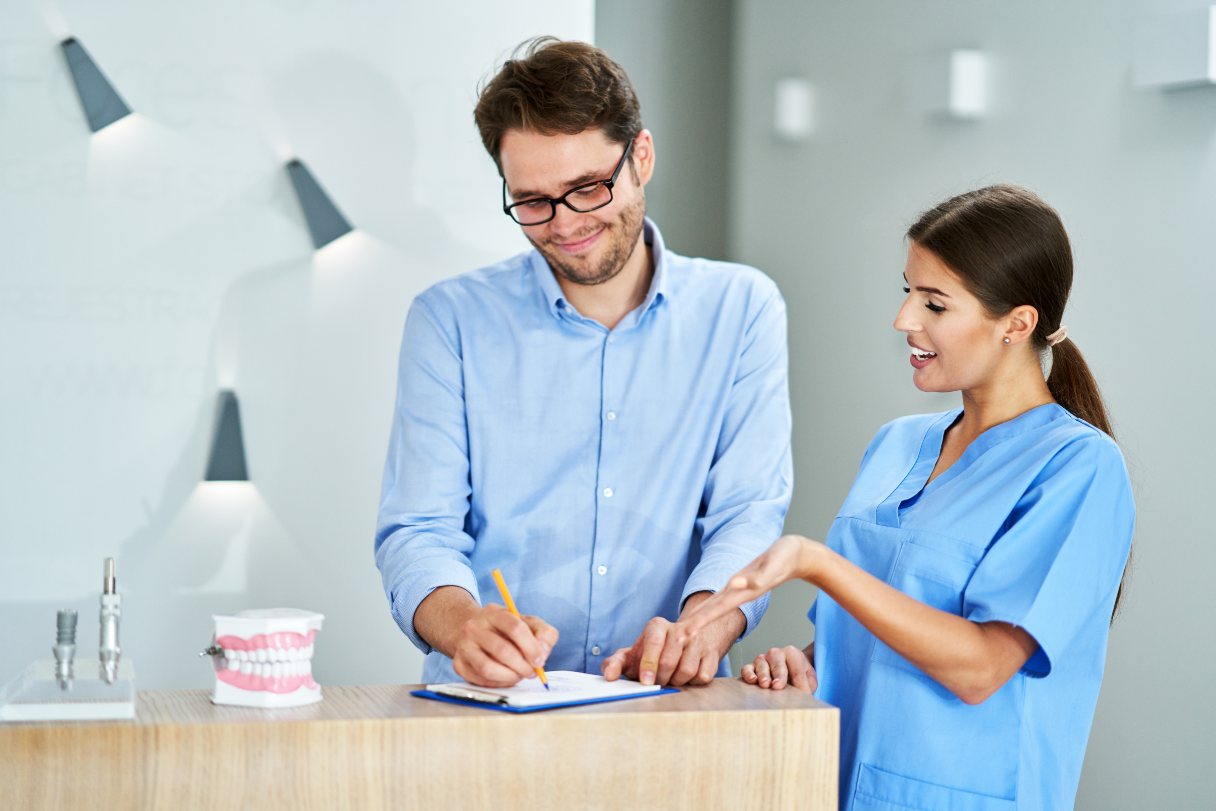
(263, 658)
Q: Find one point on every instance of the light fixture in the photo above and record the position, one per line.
(101, 102)
(968, 84)
(793, 109)
(227, 462)
(1177, 49)
(325, 222)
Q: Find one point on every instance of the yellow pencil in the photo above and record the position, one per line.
(506, 598)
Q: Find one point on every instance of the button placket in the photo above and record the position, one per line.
(614, 362)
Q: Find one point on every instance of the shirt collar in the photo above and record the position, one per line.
(656, 295)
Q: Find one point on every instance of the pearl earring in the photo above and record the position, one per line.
(1006, 340)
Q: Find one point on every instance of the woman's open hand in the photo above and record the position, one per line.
(786, 559)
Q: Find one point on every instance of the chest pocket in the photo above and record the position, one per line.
(935, 570)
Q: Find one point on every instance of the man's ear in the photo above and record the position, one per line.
(643, 156)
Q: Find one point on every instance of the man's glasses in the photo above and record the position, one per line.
(584, 198)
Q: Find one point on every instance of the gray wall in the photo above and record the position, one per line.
(152, 263)
(678, 54)
(1132, 172)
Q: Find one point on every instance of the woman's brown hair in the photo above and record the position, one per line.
(1009, 248)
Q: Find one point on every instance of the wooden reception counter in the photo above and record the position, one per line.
(726, 745)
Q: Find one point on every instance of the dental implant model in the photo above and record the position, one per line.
(263, 658)
(111, 610)
(65, 647)
(51, 690)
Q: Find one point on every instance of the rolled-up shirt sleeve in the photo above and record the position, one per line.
(750, 482)
(421, 542)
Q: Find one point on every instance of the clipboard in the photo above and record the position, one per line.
(569, 689)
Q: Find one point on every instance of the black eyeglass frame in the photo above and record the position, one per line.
(507, 208)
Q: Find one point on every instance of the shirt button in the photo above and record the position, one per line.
(602, 570)
(611, 339)
(595, 650)
(610, 416)
(607, 492)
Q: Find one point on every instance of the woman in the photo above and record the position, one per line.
(968, 582)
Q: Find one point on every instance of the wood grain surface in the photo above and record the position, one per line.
(727, 745)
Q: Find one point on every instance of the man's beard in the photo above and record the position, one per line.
(622, 238)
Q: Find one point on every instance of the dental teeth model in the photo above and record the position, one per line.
(263, 658)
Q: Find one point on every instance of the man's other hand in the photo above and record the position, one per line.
(659, 657)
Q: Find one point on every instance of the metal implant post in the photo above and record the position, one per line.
(111, 609)
(65, 647)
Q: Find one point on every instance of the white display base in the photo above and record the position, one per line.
(236, 697)
(35, 695)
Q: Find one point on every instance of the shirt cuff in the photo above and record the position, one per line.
(713, 579)
(407, 600)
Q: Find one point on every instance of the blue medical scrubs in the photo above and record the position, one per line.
(1031, 526)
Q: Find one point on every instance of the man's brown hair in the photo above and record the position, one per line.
(551, 86)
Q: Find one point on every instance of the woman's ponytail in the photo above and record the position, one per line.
(1073, 386)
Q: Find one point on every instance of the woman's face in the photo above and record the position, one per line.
(956, 345)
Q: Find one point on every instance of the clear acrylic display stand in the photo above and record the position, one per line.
(35, 695)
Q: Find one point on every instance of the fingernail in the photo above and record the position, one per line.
(647, 677)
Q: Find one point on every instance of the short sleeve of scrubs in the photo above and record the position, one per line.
(1062, 551)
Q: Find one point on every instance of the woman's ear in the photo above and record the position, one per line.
(1020, 323)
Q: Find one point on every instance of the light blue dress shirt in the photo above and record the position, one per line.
(609, 474)
(1031, 526)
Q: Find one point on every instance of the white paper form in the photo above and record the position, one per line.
(565, 687)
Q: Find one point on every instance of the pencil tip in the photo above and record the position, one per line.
(546, 685)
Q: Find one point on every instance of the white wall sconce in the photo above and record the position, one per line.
(969, 82)
(101, 102)
(952, 85)
(227, 460)
(793, 109)
(1177, 49)
(325, 221)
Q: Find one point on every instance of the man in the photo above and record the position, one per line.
(603, 420)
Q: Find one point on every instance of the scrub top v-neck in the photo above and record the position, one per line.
(1031, 525)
